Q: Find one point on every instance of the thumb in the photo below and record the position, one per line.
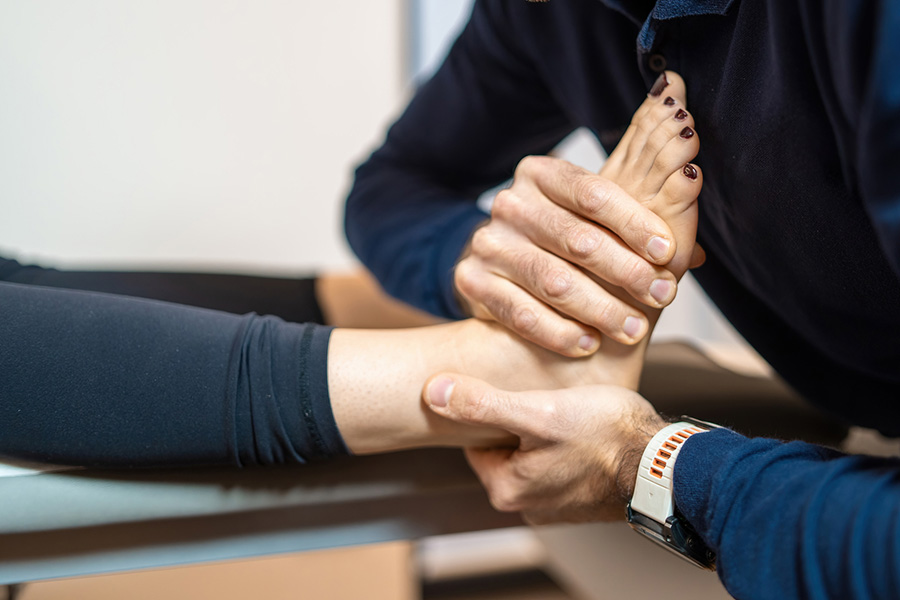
(472, 401)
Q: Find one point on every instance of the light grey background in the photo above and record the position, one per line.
(190, 133)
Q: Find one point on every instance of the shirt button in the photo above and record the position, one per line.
(657, 62)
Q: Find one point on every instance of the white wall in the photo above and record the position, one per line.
(190, 133)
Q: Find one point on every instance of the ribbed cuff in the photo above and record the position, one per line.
(702, 460)
(315, 401)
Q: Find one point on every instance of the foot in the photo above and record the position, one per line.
(652, 163)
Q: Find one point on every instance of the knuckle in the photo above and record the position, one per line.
(607, 315)
(527, 471)
(634, 226)
(466, 278)
(485, 243)
(580, 242)
(475, 408)
(560, 341)
(505, 499)
(558, 284)
(507, 204)
(549, 413)
(523, 318)
(529, 166)
(594, 197)
(634, 274)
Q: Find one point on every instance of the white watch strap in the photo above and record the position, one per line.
(653, 488)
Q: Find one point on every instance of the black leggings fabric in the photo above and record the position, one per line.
(109, 380)
(290, 299)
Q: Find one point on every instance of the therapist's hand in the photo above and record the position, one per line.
(578, 452)
(530, 267)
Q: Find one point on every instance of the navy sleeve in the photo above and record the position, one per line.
(102, 380)
(413, 204)
(793, 520)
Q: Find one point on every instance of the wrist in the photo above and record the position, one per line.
(629, 455)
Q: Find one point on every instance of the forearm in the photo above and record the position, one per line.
(413, 203)
(793, 520)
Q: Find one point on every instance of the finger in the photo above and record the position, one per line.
(561, 232)
(601, 201)
(472, 401)
(494, 297)
(565, 288)
(698, 257)
(494, 469)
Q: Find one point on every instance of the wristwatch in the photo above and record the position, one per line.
(652, 511)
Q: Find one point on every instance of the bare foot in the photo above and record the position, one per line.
(652, 163)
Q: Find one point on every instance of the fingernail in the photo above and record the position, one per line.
(587, 342)
(439, 391)
(669, 101)
(681, 115)
(687, 133)
(658, 248)
(690, 171)
(661, 290)
(632, 327)
(659, 85)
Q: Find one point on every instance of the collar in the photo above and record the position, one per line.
(665, 10)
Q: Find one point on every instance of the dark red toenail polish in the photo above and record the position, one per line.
(681, 115)
(689, 171)
(659, 85)
(669, 101)
(687, 133)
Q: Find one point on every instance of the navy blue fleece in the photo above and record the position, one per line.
(793, 520)
(797, 106)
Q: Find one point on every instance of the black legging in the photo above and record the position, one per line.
(104, 379)
(293, 300)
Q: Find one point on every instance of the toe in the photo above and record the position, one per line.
(676, 202)
(679, 143)
(676, 90)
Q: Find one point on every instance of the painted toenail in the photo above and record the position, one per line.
(659, 85)
(658, 248)
(632, 327)
(690, 171)
(661, 290)
(681, 115)
(687, 133)
(669, 101)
